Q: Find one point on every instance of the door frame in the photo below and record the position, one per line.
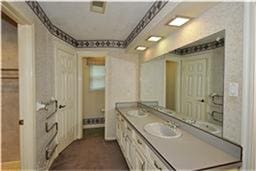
(80, 56)
(178, 81)
(27, 89)
(248, 122)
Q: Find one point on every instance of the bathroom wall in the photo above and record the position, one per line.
(93, 101)
(226, 16)
(9, 91)
(123, 82)
(152, 81)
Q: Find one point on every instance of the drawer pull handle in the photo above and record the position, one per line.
(139, 141)
(156, 165)
(143, 166)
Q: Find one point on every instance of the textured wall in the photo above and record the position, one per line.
(224, 16)
(152, 81)
(122, 81)
(9, 93)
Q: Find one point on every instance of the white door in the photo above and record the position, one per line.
(194, 82)
(66, 91)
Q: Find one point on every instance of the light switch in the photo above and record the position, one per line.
(233, 89)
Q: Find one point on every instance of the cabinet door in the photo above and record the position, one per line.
(123, 134)
(140, 161)
(130, 150)
(154, 166)
(118, 130)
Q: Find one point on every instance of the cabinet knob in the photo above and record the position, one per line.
(156, 165)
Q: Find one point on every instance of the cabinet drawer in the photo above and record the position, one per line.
(155, 162)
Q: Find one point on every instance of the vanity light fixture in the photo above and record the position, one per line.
(178, 21)
(98, 6)
(141, 48)
(154, 38)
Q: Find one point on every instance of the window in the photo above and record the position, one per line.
(97, 77)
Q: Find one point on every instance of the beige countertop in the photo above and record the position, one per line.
(185, 152)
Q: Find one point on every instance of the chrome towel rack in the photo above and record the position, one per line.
(50, 148)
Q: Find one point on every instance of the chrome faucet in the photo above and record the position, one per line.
(144, 110)
(172, 124)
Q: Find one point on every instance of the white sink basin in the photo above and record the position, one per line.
(137, 113)
(214, 129)
(162, 130)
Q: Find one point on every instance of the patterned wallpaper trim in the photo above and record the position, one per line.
(200, 48)
(93, 121)
(57, 32)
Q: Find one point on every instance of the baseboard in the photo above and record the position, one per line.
(93, 126)
(110, 138)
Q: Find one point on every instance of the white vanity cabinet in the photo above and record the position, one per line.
(136, 152)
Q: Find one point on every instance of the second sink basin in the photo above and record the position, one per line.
(162, 130)
(137, 113)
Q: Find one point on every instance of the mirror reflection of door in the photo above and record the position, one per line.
(194, 85)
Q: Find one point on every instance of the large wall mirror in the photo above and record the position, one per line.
(188, 83)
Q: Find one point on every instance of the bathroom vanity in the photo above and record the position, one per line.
(154, 140)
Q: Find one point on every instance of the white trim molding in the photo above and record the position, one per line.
(249, 94)
(27, 95)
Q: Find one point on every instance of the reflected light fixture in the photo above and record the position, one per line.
(154, 38)
(178, 21)
(141, 48)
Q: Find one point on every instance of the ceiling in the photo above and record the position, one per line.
(188, 9)
(76, 19)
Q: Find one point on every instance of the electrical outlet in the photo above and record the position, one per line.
(233, 89)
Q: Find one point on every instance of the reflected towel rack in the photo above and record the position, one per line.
(214, 96)
(218, 113)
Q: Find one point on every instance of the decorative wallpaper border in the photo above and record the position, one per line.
(200, 48)
(150, 14)
(93, 121)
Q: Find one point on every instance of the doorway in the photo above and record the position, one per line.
(10, 94)
(171, 82)
(93, 86)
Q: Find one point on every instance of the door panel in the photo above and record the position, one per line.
(66, 95)
(194, 82)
